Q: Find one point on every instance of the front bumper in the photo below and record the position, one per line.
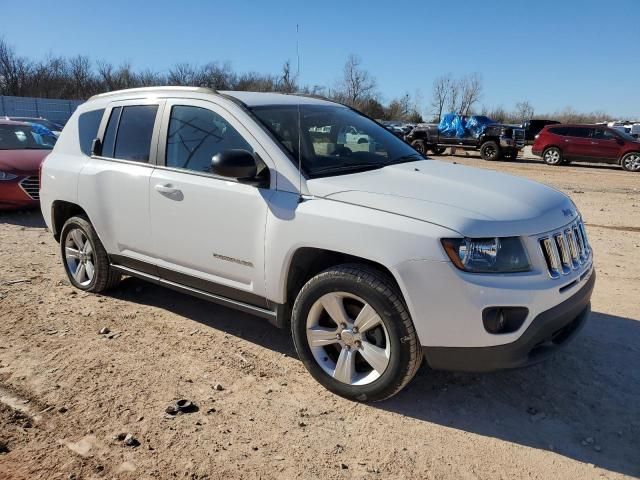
(548, 331)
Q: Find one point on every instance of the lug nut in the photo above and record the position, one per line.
(354, 329)
(358, 344)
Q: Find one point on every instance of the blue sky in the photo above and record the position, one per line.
(581, 53)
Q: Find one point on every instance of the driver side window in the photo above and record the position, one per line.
(197, 134)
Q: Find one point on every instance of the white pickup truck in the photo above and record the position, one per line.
(375, 258)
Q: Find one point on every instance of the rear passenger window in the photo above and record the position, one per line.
(197, 134)
(135, 129)
(580, 132)
(88, 124)
(559, 130)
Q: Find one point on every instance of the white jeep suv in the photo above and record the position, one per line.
(375, 257)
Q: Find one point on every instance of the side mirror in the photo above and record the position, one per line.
(96, 147)
(235, 163)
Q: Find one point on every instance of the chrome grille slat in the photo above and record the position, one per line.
(565, 250)
(31, 186)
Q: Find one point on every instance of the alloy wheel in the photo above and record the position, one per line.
(632, 162)
(348, 338)
(79, 257)
(552, 157)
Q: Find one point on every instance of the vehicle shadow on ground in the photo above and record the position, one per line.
(587, 393)
(583, 403)
(248, 327)
(31, 218)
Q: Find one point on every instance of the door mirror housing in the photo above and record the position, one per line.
(241, 165)
(96, 147)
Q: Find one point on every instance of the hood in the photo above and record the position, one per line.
(471, 201)
(22, 161)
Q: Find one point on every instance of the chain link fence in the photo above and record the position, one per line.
(55, 110)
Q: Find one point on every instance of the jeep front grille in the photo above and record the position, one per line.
(31, 186)
(566, 250)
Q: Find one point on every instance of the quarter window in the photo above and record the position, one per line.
(197, 134)
(88, 124)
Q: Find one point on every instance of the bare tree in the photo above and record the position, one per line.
(524, 111)
(440, 95)
(470, 92)
(288, 82)
(453, 95)
(356, 84)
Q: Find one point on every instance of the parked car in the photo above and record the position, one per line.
(22, 150)
(532, 127)
(475, 132)
(562, 144)
(372, 258)
(54, 127)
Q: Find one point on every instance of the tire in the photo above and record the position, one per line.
(631, 162)
(552, 156)
(82, 253)
(438, 150)
(490, 151)
(389, 337)
(419, 146)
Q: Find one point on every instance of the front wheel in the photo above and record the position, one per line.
(353, 333)
(631, 162)
(552, 156)
(490, 151)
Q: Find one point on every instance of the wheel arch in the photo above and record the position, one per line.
(61, 211)
(306, 262)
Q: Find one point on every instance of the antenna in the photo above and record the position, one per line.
(300, 197)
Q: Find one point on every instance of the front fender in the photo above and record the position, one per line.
(381, 237)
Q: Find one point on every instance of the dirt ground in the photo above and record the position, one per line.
(67, 391)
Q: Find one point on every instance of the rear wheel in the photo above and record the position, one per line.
(631, 162)
(353, 332)
(552, 156)
(490, 151)
(84, 257)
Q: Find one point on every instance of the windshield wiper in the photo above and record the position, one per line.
(360, 167)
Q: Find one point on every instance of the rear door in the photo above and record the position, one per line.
(577, 143)
(114, 186)
(605, 146)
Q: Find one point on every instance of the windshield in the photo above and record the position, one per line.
(625, 136)
(24, 137)
(54, 127)
(335, 140)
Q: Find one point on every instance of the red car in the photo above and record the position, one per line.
(23, 147)
(561, 144)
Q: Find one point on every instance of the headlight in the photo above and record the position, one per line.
(487, 255)
(7, 176)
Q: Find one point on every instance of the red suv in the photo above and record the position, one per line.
(561, 144)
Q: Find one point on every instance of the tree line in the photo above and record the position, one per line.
(80, 77)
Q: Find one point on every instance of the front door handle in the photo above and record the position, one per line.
(167, 188)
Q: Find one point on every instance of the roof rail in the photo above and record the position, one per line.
(155, 89)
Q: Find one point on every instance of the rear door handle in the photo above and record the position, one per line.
(166, 188)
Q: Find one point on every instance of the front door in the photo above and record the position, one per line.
(605, 145)
(208, 232)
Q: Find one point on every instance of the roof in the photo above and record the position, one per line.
(250, 99)
(12, 122)
(255, 99)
